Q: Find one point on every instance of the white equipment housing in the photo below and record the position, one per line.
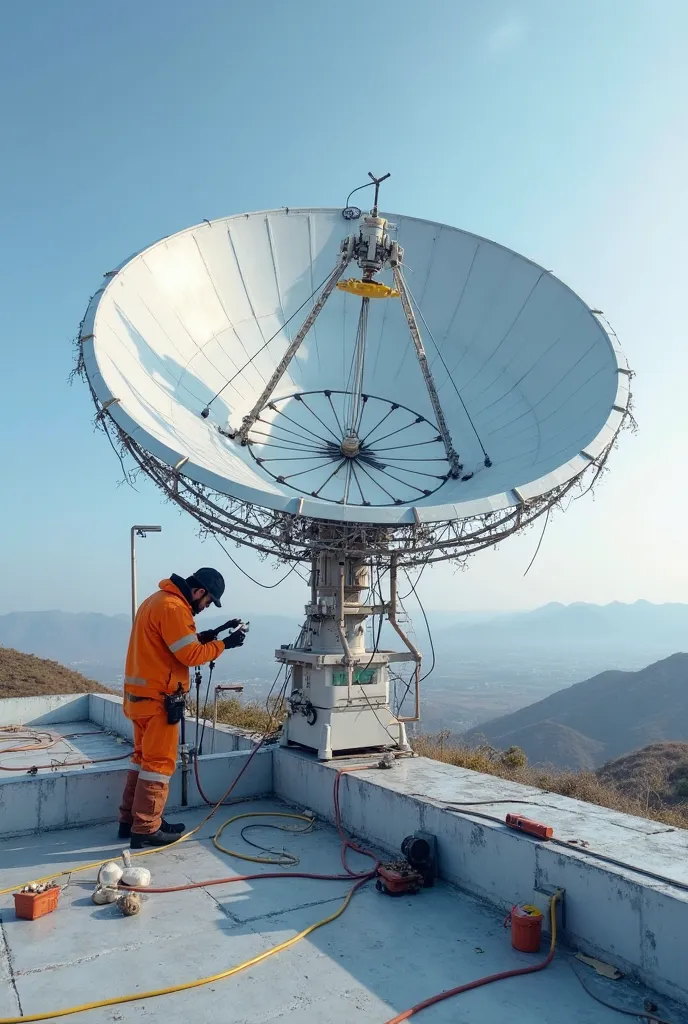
(339, 699)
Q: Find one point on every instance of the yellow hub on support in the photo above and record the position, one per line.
(367, 289)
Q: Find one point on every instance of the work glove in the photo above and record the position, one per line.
(234, 639)
(208, 635)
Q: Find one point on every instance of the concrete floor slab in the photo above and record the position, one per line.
(381, 956)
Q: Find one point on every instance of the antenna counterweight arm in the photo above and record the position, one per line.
(284, 362)
(452, 454)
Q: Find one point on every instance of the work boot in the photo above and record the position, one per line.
(139, 840)
(174, 828)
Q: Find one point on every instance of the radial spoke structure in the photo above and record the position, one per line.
(301, 441)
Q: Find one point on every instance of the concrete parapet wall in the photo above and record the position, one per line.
(226, 738)
(218, 771)
(92, 795)
(613, 913)
(106, 710)
(70, 707)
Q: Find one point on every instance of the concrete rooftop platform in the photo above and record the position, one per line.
(382, 956)
(82, 741)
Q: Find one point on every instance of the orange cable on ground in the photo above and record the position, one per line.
(63, 764)
(53, 739)
(8, 731)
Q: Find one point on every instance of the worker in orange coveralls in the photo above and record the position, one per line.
(162, 647)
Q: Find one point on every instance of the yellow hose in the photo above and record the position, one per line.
(99, 863)
(283, 860)
(197, 983)
(184, 986)
(161, 849)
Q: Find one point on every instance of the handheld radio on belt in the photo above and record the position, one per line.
(174, 705)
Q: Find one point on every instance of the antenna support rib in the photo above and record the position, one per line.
(284, 362)
(452, 454)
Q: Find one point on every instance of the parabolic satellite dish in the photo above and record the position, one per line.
(301, 380)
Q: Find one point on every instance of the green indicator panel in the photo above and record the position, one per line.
(361, 677)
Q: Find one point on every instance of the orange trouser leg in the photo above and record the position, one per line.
(125, 815)
(149, 803)
(158, 760)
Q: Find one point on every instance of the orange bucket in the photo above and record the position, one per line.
(526, 928)
(31, 905)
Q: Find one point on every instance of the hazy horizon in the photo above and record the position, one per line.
(429, 609)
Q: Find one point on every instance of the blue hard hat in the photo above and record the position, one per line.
(212, 581)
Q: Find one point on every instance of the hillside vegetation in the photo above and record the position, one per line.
(251, 714)
(657, 775)
(650, 783)
(23, 675)
(592, 722)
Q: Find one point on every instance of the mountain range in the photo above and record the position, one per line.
(627, 629)
(595, 721)
(485, 665)
(96, 644)
(485, 669)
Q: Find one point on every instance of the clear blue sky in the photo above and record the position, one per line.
(557, 129)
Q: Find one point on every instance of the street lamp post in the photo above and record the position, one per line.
(137, 531)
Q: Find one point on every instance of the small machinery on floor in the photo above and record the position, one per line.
(415, 871)
(279, 378)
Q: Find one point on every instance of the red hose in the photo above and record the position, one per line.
(347, 844)
(362, 878)
(222, 803)
(478, 983)
(244, 878)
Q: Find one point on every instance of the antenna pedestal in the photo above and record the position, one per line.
(339, 698)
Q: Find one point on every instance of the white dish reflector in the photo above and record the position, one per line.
(527, 375)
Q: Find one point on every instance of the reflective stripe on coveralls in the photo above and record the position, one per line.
(162, 647)
(184, 642)
(163, 643)
(154, 777)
